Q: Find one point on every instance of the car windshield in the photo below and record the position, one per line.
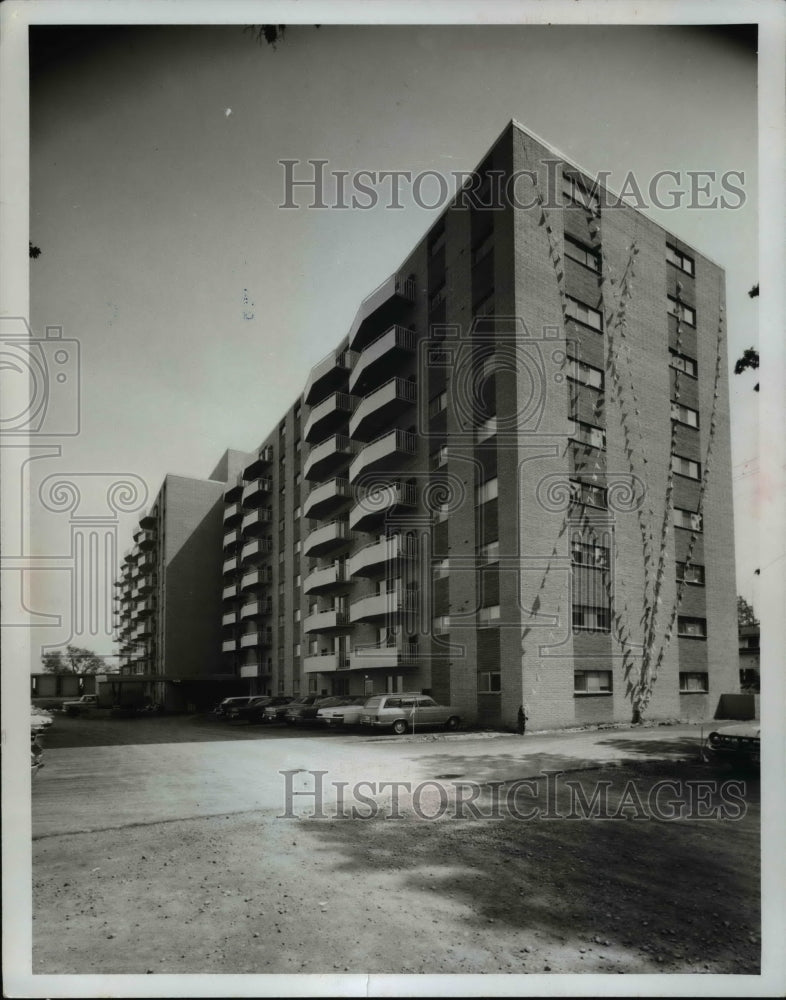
(373, 702)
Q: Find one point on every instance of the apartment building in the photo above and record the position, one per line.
(495, 488)
(168, 594)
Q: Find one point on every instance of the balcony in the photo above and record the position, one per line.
(231, 540)
(398, 653)
(229, 592)
(234, 490)
(324, 663)
(328, 498)
(256, 549)
(230, 566)
(145, 608)
(256, 609)
(372, 558)
(257, 492)
(231, 514)
(385, 605)
(146, 561)
(260, 463)
(145, 538)
(329, 375)
(328, 457)
(147, 520)
(325, 621)
(325, 538)
(329, 416)
(146, 583)
(375, 505)
(251, 639)
(250, 669)
(229, 618)
(324, 578)
(229, 645)
(381, 408)
(253, 579)
(256, 521)
(389, 449)
(375, 363)
(379, 310)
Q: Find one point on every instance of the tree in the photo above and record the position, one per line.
(35, 252)
(53, 663)
(750, 358)
(270, 33)
(745, 613)
(83, 661)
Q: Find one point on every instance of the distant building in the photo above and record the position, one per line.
(168, 594)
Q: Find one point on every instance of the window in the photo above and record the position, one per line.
(592, 682)
(694, 682)
(687, 519)
(439, 457)
(282, 430)
(685, 467)
(589, 554)
(486, 430)
(437, 298)
(681, 311)
(576, 193)
(442, 513)
(485, 306)
(684, 415)
(296, 548)
(595, 437)
(581, 254)
(679, 259)
(591, 619)
(297, 583)
(486, 491)
(298, 444)
(692, 628)
(297, 615)
(441, 569)
(438, 404)
(587, 493)
(298, 479)
(489, 682)
(483, 248)
(582, 313)
(440, 625)
(489, 553)
(584, 374)
(296, 650)
(690, 574)
(437, 241)
(488, 614)
(682, 363)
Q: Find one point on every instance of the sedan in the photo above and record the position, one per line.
(342, 715)
(305, 709)
(739, 743)
(223, 707)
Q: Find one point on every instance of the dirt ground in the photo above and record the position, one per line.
(251, 893)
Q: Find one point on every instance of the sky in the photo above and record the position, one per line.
(200, 306)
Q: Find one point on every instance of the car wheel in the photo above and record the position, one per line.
(400, 727)
(452, 723)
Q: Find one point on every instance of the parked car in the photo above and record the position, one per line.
(342, 715)
(308, 707)
(222, 708)
(82, 704)
(275, 713)
(739, 743)
(254, 710)
(408, 710)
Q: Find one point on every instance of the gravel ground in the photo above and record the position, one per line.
(249, 893)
